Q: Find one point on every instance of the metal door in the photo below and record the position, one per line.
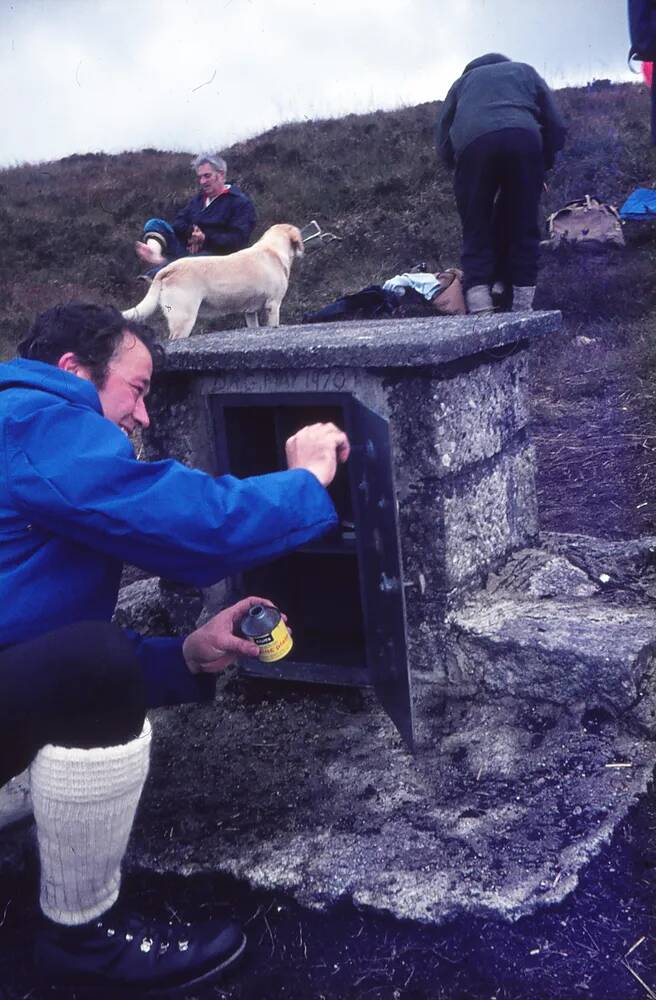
(373, 501)
(379, 557)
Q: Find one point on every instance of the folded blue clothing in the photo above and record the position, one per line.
(641, 204)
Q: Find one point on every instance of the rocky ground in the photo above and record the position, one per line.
(595, 435)
(598, 943)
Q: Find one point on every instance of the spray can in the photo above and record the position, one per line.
(265, 626)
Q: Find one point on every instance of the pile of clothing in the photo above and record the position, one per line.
(413, 293)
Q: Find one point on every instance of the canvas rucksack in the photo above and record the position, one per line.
(450, 298)
(586, 223)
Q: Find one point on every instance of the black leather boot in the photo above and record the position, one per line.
(128, 956)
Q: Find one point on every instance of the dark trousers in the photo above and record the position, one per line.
(78, 686)
(498, 182)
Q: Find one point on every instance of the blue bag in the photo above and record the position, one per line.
(641, 204)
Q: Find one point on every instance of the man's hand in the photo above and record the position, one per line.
(318, 448)
(214, 646)
(196, 240)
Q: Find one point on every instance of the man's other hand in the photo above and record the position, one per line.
(214, 646)
(196, 240)
(318, 448)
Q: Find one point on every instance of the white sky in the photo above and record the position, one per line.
(87, 75)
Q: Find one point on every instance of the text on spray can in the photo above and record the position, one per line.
(266, 628)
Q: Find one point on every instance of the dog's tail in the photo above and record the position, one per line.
(148, 304)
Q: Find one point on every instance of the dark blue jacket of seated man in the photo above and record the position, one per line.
(218, 220)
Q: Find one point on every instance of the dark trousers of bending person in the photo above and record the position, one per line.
(498, 182)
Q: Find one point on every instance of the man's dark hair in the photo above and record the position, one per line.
(92, 333)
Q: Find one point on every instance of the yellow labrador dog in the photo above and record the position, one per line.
(250, 281)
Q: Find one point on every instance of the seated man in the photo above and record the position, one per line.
(218, 220)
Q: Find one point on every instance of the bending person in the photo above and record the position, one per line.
(501, 129)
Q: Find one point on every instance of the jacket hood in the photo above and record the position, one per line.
(22, 373)
(229, 189)
(487, 60)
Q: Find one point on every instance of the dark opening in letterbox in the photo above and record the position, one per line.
(343, 593)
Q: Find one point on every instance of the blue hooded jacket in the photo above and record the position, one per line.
(75, 504)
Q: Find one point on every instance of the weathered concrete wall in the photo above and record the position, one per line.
(454, 391)
(570, 623)
(541, 733)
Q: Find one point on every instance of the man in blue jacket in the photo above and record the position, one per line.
(218, 220)
(501, 129)
(74, 688)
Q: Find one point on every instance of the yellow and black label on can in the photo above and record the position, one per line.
(265, 626)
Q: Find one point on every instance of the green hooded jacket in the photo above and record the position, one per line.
(495, 93)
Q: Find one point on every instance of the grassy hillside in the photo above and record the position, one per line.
(374, 179)
(68, 226)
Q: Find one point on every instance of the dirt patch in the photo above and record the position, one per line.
(581, 948)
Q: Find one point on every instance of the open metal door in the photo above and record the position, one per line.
(379, 556)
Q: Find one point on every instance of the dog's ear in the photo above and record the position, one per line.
(296, 241)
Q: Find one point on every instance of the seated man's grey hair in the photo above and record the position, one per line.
(214, 161)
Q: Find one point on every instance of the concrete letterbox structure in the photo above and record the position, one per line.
(439, 490)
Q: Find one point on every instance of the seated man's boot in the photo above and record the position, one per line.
(523, 298)
(479, 299)
(151, 249)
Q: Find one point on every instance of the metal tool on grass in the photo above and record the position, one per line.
(314, 237)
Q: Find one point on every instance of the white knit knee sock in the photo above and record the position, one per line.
(84, 806)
